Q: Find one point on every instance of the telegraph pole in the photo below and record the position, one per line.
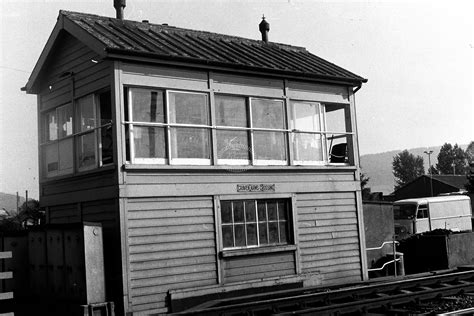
(429, 170)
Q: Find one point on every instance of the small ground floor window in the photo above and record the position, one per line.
(255, 223)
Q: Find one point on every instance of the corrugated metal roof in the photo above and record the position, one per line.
(124, 37)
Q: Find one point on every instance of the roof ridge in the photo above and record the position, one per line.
(181, 29)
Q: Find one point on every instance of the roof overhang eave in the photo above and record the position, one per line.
(123, 54)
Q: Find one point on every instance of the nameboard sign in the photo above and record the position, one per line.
(255, 187)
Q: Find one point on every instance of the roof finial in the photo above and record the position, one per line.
(264, 27)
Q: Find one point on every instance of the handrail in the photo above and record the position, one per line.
(394, 243)
(383, 244)
(383, 266)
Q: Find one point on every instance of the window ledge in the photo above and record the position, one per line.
(230, 168)
(256, 250)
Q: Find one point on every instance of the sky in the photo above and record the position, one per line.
(417, 55)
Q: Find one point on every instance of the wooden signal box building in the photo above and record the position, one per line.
(214, 163)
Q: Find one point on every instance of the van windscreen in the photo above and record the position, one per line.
(404, 211)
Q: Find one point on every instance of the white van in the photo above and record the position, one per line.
(419, 215)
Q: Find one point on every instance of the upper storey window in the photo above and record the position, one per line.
(77, 137)
(177, 127)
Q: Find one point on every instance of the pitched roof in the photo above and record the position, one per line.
(114, 38)
(452, 180)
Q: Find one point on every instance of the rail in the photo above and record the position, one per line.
(378, 298)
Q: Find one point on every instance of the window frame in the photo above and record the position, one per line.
(167, 126)
(75, 135)
(288, 132)
(290, 223)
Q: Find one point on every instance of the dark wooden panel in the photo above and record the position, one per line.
(98, 179)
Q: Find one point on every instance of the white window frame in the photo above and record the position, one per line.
(167, 126)
(289, 221)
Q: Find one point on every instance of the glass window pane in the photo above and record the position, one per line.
(335, 118)
(273, 232)
(262, 212)
(283, 232)
(149, 142)
(188, 108)
(86, 151)
(66, 155)
(240, 235)
(282, 211)
(147, 106)
(267, 113)
(238, 211)
(232, 145)
(272, 211)
(307, 147)
(106, 145)
(270, 146)
(86, 117)
(226, 212)
(250, 211)
(105, 108)
(306, 116)
(337, 147)
(65, 120)
(50, 156)
(227, 236)
(51, 126)
(262, 233)
(190, 143)
(231, 111)
(251, 234)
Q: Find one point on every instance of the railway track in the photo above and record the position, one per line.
(386, 298)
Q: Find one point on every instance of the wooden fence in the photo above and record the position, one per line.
(4, 276)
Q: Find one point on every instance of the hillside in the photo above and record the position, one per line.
(8, 201)
(378, 167)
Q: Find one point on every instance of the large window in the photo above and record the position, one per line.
(58, 141)
(320, 133)
(169, 127)
(178, 127)
(257, 135)
(77, 137)
(255, 223)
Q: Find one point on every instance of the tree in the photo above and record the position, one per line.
(451, 160)
(433, 170)
(406, 168)
(363, 185)
(470, 153)
(470, 178)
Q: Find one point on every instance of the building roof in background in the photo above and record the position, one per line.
(115, 38)
(452, 180)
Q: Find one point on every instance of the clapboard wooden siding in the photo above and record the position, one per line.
(328, 236)
(98, 179)
(103, 211)
(63, 214)
(171, 246)
(261, 266)
(72, 56)
(224, 182)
